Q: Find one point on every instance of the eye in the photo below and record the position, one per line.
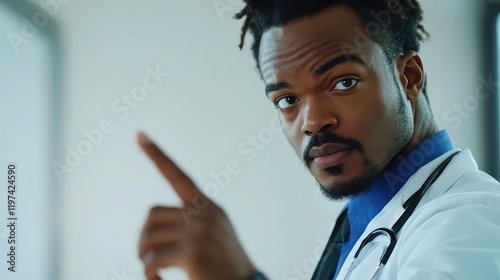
(346, 84)
(285, 102)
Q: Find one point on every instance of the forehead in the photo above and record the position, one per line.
(304, 43)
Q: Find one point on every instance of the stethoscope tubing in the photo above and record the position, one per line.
(410, 205)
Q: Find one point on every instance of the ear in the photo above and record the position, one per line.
(411, 74)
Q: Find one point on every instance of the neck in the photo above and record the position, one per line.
(424, 128)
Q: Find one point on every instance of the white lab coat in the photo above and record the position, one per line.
(454, 232)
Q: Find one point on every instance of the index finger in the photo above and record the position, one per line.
(182, 184)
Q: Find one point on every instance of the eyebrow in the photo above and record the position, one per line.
(346, 58)
(322, 69)
(275, 87)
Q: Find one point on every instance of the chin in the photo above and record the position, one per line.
(336, 184)
(341, 192)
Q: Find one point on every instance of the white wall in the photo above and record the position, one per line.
(453, 61)
(210, 103)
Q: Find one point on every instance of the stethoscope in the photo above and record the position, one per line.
(391, 233)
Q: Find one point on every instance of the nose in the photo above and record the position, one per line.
(318, 116)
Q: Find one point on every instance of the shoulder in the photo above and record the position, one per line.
(474, 200)
(457, 233)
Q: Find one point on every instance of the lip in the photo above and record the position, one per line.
(330, 155)
(327, 149)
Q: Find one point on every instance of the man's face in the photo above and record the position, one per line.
(341, 106)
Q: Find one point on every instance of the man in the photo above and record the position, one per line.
(349, 86)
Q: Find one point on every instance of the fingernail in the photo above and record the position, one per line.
(143, 139)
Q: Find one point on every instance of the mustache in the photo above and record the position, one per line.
(331, 138)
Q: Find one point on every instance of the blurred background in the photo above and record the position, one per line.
(79, 79)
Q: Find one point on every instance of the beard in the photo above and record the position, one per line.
(343, 190)
(346, 190)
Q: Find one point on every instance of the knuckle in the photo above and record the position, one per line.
(155, 210)
(217, 210)
(217, 215)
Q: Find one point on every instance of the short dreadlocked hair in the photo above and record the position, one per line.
(401, 33)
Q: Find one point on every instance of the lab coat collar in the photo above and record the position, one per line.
(462, 163)
(364, 207)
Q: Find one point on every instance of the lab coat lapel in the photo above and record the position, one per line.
(461, 164)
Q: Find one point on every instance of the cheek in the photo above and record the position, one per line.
(380, 128)
(364, 118)
(368, 121)
(292, 132)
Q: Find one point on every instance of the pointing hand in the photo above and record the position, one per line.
(198, 237)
